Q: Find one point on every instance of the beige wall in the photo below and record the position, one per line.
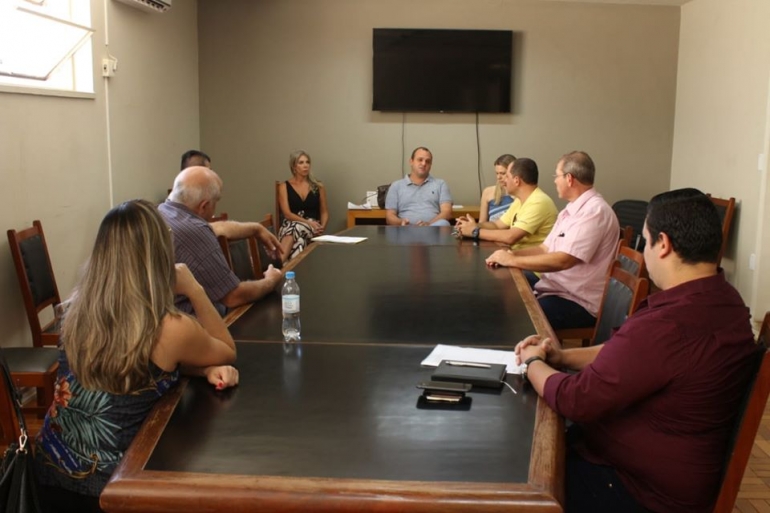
(54, 151)
(277, 75)
(721, 125)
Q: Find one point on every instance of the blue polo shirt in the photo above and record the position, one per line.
(418, 202)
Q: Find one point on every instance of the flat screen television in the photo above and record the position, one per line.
(434, 70)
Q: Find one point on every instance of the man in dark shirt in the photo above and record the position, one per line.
(655, 404)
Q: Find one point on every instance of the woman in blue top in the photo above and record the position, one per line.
(123, 346)
(494, 200)
(302, 200)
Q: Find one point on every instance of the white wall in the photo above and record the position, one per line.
(721, 125)
(54, 162)
(277, 75)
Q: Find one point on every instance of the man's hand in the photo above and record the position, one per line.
(466, 225)
(422, 223)
(404, 221)
(535, 345)
(222, 376)
(273, 276)
(500, 258)
(270, 241)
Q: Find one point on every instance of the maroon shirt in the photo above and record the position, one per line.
(659, 401)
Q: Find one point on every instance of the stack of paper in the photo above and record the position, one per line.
(339, 239)
(353, 206)
(474, 355)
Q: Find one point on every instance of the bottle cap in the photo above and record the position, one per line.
(289, 275)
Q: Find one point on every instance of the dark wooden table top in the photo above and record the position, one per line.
(400, 295)
(409, 236)
(332, 424)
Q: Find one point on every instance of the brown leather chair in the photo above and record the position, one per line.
(746, 425)
(243, 257)
(218, 217)
(35, 366)
(278, 217)
(726, 209)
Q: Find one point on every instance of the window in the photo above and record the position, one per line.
(45, 45)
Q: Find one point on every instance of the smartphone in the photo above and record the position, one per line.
(443, 398)
(445, 386)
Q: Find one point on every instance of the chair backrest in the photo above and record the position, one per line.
(622, 295)
(746, 426)
(278, 217)
(243, 257)
(9, 426)
(222, 216)
(631, 213)
(36, 279)
(264, 258)
(631, 261)
(726, 209)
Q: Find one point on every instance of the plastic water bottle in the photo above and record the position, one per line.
(290, 306)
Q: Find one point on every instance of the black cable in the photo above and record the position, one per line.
(403, 142)
(478, 153)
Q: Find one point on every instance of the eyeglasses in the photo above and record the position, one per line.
(557, 175)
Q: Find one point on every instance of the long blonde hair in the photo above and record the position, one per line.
(504, 160)
(113, 320)
(293, 158)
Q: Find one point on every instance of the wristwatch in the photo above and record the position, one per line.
(527, 362)
(475, 233)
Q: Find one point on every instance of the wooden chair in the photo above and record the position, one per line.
(622, 294)
(746, 426)
(35, 366)
(218, 217)
(37, 281)
(243, 257)
(631, 214)
(726, 209)
(631, 261)
(265, 259)
(278, 219)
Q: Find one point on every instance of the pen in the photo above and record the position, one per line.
(468, 364)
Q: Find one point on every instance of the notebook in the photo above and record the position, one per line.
(488, 375)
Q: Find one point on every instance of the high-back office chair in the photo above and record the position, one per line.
(243, 257)
(746, 426)
(726, 209)
(622, 294)
(36, 280)
(631, 214)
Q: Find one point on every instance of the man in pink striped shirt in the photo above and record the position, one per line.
(574, 258)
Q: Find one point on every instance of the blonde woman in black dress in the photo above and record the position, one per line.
(302, 199)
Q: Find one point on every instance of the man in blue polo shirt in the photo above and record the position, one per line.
(419, 199)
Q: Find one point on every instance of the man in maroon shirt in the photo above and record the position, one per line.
(654, 406)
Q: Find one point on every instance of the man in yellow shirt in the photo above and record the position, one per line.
(528, 220)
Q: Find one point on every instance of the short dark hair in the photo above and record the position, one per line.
(190, 154)
(580, 165)
(526, 169)
(690, 220)
(421, 148)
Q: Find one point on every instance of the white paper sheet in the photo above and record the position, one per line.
(353, 206)
(472, 354)
(339, 239)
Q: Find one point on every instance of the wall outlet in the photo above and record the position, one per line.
(752, 262)
(109, 66)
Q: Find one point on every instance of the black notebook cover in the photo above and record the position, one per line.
(488, 377)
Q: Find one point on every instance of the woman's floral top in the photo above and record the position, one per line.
(86, 432)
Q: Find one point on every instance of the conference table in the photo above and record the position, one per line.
(334, 423)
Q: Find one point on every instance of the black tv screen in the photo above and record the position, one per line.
(428, 70)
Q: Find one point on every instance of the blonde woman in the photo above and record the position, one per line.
(123, 346)
(302, 199)
(494, 199)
